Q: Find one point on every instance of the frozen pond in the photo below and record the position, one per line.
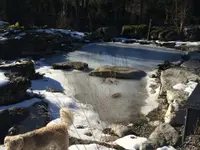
(133, 98)
(140, 57)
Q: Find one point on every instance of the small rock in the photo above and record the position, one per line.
(53, 90)
(163, 135)
(153, 91)
(116, 95)
(109, 138)
(88, 133)
(152, 76)
(80, 127)
(155, 123)
(119, 130)
(71, 65)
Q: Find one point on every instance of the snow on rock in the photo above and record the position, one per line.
(131, 142)
(3, 38)
(89, 147)
(73, 34)
(3, 79)
(166, 148)
(188, 87)
(151, 99)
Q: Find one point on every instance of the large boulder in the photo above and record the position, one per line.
(164, 135)
(118, 72)
(22, 120)
(177, 84)
(22, 68)
(71, 65)
(14, 91)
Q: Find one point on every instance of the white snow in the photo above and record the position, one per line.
(188, 87)
(74, 34)
(197, 43)
(131, 142)
(166, 148)
(3, 79)
(89, 147)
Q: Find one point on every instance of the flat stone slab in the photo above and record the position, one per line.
(71, 65)
(118, 72)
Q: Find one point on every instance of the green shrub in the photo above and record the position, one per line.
(134, 31)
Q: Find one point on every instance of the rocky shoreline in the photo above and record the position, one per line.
(161, 127)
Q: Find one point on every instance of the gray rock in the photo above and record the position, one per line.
(14, 91)
(176, 98)
(119, 130)
(192, 65)
(164, 135)
(22, 120)
(173, 76)
(71, 65)
(20, 68)
(147, 146)
(118, 72)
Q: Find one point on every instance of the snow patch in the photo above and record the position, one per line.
(73, 34)
(131, 142)
(88, 147)
(3, 79)
(188, 87)
(166, 148)
(151, 102)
